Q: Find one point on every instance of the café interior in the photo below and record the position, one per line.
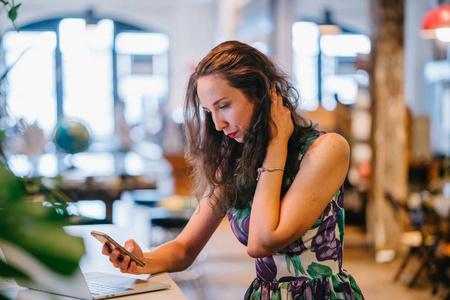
(92, 105)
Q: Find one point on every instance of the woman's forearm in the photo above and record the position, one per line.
(180, 253)
(266, 203)
(170, 257)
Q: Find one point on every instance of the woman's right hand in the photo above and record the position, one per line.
(283, 126)
(123, 262)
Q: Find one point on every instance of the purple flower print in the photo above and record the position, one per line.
(266, 268)
(239, 222)
(296, 247)
(325, 244)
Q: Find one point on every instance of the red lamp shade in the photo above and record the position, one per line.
(436, 18)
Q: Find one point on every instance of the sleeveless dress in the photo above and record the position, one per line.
(310, 267)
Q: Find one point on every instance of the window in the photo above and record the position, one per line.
(66, 68)
(31, 93)
(324, 66)
(437, 88)
(142, 60)
(86, 56)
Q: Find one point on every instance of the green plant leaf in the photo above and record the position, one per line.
(3, 297)
(36, 228)
(9, 271)
(39, 231)
(56, 249)
(12, 190)
(12, 13)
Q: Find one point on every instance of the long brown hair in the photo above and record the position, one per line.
(221, 163)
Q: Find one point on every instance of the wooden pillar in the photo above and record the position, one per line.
(390, 128)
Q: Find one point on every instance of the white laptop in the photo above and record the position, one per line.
(88, 286)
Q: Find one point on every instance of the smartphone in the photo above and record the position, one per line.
(112, 244)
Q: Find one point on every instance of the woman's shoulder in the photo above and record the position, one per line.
(331, 138)
(327, 157)
(332, 145)
(315, 136)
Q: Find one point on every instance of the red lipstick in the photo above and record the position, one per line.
(232, 135)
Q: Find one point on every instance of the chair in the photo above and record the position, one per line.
(441, 282)
(170, 223)
(421, 236)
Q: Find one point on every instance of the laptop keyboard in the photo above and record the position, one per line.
(97, 288)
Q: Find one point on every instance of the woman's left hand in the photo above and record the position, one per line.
(283, 126)
(123, 262)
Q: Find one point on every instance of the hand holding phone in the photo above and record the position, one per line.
(112, 244)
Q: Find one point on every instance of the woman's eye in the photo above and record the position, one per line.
(223, 106)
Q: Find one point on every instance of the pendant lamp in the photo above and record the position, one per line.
(436, 23)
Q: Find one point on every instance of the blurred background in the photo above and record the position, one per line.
(92, 96)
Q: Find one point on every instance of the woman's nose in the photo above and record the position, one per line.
(219, 123)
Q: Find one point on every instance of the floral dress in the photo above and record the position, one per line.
(310, 267)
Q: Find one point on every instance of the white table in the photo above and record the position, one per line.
(94, 261)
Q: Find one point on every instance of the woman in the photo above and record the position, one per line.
(254, 155)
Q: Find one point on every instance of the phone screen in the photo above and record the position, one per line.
(112, 244)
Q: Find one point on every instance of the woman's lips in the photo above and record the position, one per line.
(232, 135)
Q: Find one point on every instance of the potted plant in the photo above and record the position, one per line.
(32, 215)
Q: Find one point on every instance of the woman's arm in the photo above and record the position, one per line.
(178, 254)
(274, 224)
